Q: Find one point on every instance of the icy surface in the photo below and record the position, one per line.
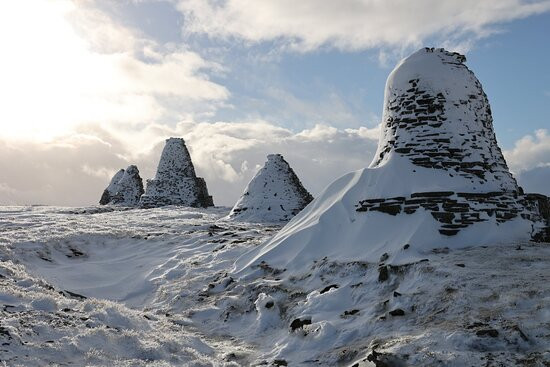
(159, 292)
(175, 182)
(275, 194)
(125, 188)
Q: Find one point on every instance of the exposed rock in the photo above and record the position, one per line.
(397, 312)
(299, 323)
(125, 188)
(175, 182)
(275, 194)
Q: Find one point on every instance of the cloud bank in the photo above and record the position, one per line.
(74, 170)
(307, 25)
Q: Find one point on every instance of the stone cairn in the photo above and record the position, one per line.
(438, 128)
(275, 194)
(125, 188)
(175, 182)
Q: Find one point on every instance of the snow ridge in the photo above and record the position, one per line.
(125, 188)
(175, 182)
(275, 194)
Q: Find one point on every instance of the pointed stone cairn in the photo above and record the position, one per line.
(275, 194)
(125, 188)
(437, 116)
(175, 182)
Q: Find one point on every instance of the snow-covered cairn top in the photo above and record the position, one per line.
(175, 182)
(125, 188)
(437, 115)
(275, 194)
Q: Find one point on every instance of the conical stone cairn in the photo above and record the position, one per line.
(125, 188)
(175, 182)
(275, 194)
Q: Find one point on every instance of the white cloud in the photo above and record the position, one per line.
(353, 24)
(529, 152)
(64, 63)
(74, 170)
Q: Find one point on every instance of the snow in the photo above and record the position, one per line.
(275, 194)
(173, 300)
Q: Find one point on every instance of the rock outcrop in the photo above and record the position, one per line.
(125, 188)
(438, 179)
(175, 182)
(275, 194)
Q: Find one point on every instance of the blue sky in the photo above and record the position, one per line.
(512, 65)
(93, 86)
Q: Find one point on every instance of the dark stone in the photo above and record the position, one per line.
(397, 312)
(70, 294)
(383, 273)
(299, 324)
(443, 217)
(388, 209)
(487, 332)
(328, 288)
(448, 232)
(351, 312)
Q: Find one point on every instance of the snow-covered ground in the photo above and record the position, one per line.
(157, 287)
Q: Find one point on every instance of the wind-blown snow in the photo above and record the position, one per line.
(275, 194)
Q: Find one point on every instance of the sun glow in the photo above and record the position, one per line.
(51, 78)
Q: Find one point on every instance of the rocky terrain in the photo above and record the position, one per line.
(275, 194)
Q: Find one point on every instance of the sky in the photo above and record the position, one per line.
(91, 86)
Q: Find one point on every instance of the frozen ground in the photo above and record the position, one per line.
(155, 287)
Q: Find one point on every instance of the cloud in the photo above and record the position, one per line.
(307, 25)
(74, 170)
(529, 160)
(65, 63)
(529, 152)
(535, 180)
